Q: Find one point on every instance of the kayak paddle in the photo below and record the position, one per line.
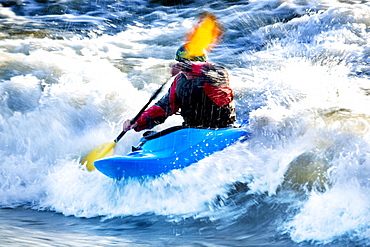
(107, 149)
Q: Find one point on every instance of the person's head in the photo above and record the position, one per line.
(183, 55)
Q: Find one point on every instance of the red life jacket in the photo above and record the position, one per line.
(204, 104)
(206, 101)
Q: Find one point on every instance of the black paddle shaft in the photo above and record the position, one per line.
(155, 94)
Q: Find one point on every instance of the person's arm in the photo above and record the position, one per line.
(157, 113)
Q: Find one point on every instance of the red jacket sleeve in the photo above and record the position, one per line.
(151, 117)
(159, 112)
(219, 95)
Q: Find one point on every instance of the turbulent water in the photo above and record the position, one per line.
(71, 71)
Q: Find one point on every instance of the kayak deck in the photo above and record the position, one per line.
(174, 150)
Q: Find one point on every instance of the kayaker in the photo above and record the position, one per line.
(200, 93)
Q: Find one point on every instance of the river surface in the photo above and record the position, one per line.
(71, 72)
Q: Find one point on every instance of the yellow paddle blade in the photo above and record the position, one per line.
(102, 151)
(204, 35)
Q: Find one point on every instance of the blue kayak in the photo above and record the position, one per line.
(174, 148)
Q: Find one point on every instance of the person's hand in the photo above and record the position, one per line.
(127, 125)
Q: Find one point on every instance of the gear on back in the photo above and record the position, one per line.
(206, 101)
(215, 74)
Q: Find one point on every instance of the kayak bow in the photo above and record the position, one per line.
(174, 150)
